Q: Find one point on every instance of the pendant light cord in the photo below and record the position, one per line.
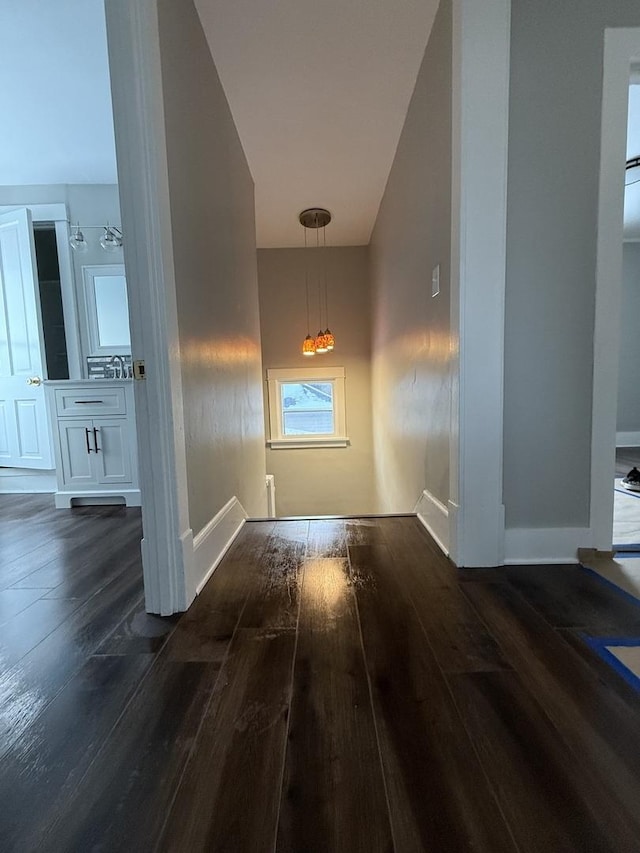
(319, 278)
(306, 279)
(324, 264)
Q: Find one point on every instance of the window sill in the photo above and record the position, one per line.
(298, 443)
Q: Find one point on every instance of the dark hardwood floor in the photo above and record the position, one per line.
(337, 686)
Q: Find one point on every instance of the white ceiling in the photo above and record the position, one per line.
(319, 93)
(55, 100)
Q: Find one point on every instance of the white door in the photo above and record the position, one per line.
(25, 440)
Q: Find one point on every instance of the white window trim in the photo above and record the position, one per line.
(276, 377)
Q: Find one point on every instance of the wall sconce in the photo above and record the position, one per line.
(110, 241)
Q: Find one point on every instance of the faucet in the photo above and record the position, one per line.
(117, 365)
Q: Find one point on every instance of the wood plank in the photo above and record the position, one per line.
(274, 594)
(205, 631)
(458, 637)
(122, 801)
(333, 795)
(139, 633)
(600, 729)
(40, 773)
(26, 629)
(13, 601)
(364, 531)
(327, 538)
(28, 686)
(570, 597)
(550, 800)
(243, 737)
(438, 793)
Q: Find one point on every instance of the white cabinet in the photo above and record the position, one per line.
(94, 431)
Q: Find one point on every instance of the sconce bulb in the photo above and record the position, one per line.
(77, 241)
(111, 240)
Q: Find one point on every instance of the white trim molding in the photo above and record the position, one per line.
(628, 439)
(434, 515)
(17, 481)
(524, 546)
(481, 61)
(621, 49)
(276, 378)
(212, 543)
(136, 88)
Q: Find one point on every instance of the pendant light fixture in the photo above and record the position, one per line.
(316, 217)
(309, 344)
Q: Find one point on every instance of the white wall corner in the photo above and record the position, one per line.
(528, 546)
(628, 439)
(209, 546)
(481, 59)
(434, 515)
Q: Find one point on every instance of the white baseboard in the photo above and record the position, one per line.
(130, 497)
(434, 515)
(628, 439)
(545, 544)
(212, 542)
(17, 481)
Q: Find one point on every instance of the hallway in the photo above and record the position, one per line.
(337, 686)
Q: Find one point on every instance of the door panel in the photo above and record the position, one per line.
(21, 348)
(4, 433)
(28, 435)
(114, 456)
(76, 450)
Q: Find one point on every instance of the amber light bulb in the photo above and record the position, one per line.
(308, 346)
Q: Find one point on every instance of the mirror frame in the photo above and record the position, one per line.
(89, 274)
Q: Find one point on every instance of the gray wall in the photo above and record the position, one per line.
(212, 213)
(629, 375)
(411, 384)
(554, 140)
(322, 481)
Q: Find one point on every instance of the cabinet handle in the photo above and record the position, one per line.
(95, 440)
(86, 435)
(87, 402)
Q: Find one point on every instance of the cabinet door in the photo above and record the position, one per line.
(76, 451)
(113, 459)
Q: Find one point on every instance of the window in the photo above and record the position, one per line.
(306, 407)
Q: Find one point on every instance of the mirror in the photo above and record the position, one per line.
(105, 295)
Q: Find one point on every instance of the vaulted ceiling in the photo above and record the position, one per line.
(318, 91)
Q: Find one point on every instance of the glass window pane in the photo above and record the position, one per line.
(307, 408)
